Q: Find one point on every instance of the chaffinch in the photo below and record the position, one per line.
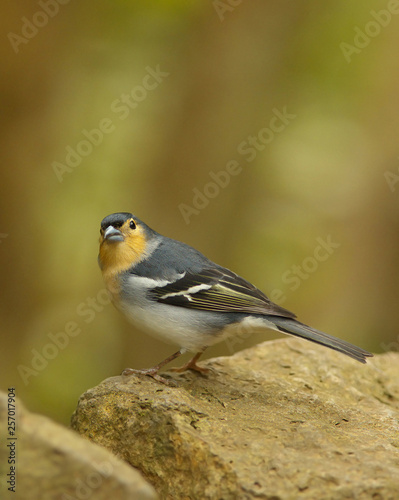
(174, 292)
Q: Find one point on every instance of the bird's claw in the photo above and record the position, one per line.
(149, 372)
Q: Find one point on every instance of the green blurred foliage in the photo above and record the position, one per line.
(323, 174)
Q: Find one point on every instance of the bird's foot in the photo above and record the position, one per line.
(150, 372)
(192, 365)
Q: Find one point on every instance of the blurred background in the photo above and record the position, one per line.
(263, 133)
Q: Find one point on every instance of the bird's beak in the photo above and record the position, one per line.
(113, 234)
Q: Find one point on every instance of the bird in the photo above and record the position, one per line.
(172, 291)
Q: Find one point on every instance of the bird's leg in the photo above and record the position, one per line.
(153, 372)
(192, 365)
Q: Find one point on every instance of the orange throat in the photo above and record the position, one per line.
(117, 257)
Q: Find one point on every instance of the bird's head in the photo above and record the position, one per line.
(123, 241)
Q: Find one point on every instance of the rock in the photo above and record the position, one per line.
(286, 419)
(55, 463)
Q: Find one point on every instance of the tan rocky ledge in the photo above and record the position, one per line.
(284, 420)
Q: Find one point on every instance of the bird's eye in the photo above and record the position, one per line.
(132, 224)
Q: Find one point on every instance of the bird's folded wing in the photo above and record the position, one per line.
(217, 289)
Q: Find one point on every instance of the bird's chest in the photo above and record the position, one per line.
(113, 284)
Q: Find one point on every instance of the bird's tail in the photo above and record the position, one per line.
(293, 327)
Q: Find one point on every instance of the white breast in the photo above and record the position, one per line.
(190, 329)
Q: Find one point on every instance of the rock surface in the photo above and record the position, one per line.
(55, 463)
(284, 420)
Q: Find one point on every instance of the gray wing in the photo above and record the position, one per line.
(217, 289)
